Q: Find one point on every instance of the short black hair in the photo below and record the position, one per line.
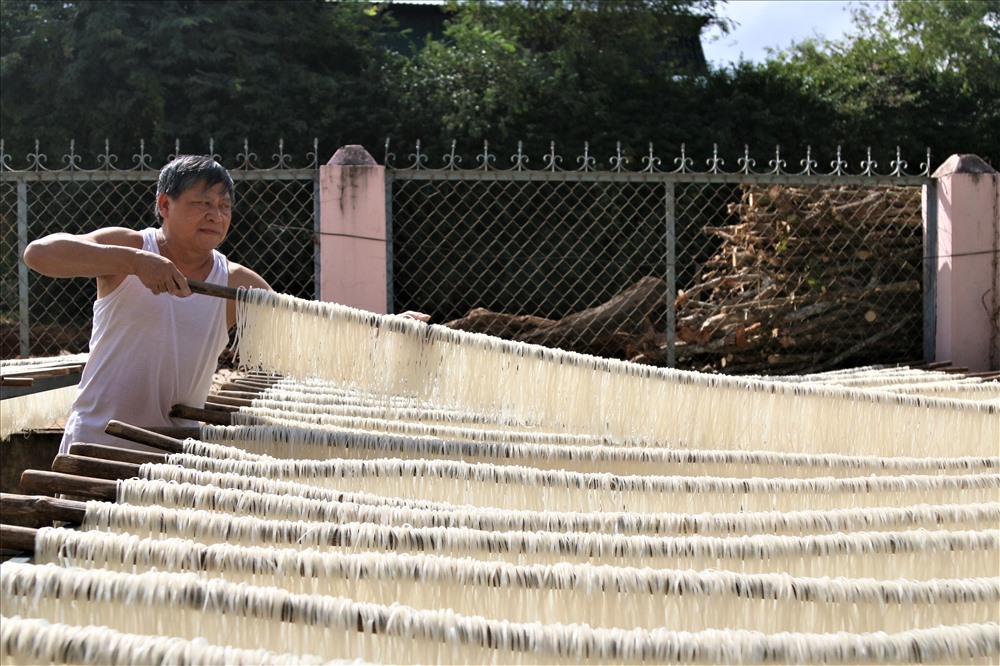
(186, 170)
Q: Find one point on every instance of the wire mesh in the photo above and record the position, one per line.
(771, 278)
(271, 232)
(746, 272)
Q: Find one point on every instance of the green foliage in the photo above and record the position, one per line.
(912, 74)
(185, 69)
(593, 71)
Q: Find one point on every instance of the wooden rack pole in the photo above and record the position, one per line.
(212, 404)
(15, 537)
(98, 469)
(177, 432)
(250, 385)
(228, 401)
(207, 289)
(148, 437)
(213, 416)
(46, 508)
(55, 483)
(230, 390)
(55, 369)
(116, 453)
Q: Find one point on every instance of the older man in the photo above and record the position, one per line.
(154, 344)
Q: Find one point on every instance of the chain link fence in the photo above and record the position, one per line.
(745, 273)
(272, 232)
(769, 273)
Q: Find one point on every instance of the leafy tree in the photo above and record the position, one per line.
(914, 74)
(545, 70)
(190, 70)
(911, 73)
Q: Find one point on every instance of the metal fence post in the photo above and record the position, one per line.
(352, 187)
(22, 269)
(670, 217)
(930, 204)
(317, 234)
(390, 295)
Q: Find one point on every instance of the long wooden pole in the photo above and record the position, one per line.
(15, 537)
(214, 416)
(116, 453)
(55, 483)
(207, 289)
(46, 508)
(98, 469)
(148, 437)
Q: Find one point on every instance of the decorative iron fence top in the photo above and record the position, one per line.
(107, 162)
(552, 164)
(651, 163)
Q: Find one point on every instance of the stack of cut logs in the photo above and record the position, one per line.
(809, 278)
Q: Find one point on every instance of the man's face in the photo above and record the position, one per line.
(199, 216)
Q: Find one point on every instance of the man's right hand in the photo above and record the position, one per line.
(160, 275)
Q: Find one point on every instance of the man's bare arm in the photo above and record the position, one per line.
(108, 255)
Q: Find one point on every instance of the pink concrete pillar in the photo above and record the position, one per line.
(353, 237)
(968, 252)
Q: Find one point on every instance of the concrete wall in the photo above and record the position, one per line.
(353, 235)
(964, 279)
(966, 264)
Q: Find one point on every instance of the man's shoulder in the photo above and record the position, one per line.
(117, 236)
(241, 276)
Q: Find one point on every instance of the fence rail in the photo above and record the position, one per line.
(273, 230)
(766, 269)
(673, 267)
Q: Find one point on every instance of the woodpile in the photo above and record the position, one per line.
(809, 278)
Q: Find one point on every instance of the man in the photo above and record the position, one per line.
(154, 344)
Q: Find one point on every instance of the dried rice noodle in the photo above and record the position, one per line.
(253, 442)
(599, 596)
(567, 392)
(138, 492)
(913, 554)
(35, 410)
(332, 625)
(533, 489)
(35, 641)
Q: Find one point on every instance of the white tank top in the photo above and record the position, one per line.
(148, 353)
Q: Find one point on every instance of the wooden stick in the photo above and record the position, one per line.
(204, 415)
(147, 437)
(177, 432)
(53, 483)
(17, 381)
(207, 289)
(98, 469)
(211, 403)
(236, 391)
(116, 453)
(250, 385)
(15, 537)
(229, 401)
(46, 508)
(43, 370)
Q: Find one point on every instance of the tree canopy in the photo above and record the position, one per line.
(185, 70)
(913, 74)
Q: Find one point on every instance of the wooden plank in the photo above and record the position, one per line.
(55, 483)
(213, 416)
(148, 437)
(14, 537)
(115, 453)
(40, 506)
(98, 469)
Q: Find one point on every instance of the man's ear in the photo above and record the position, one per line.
(162, 204)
